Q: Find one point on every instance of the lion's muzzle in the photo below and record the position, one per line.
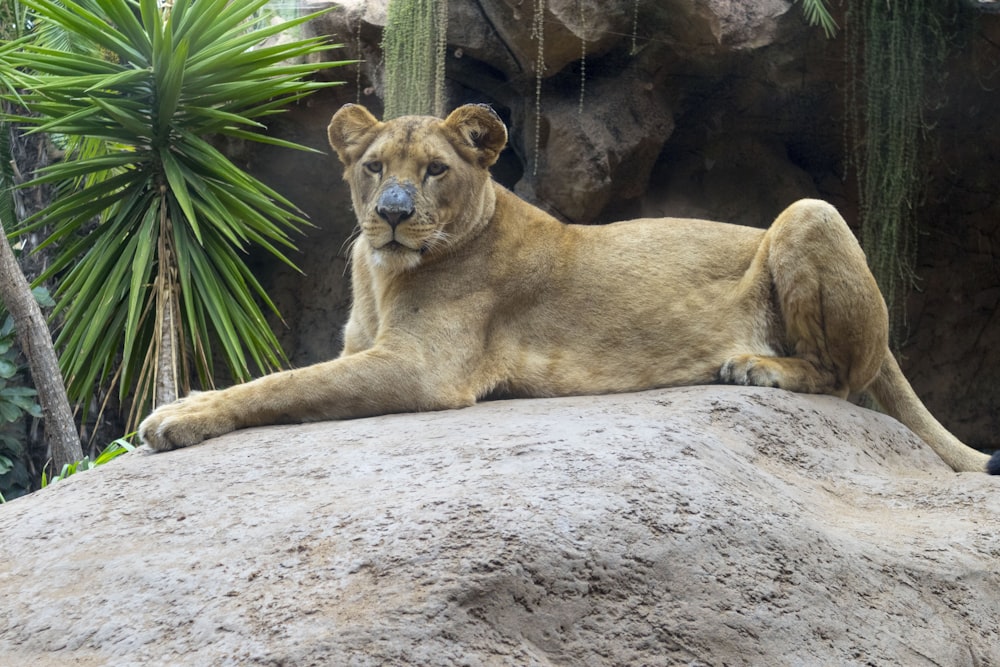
(395, 204)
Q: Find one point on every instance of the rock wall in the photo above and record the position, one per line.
(711, 108)
(692, 526)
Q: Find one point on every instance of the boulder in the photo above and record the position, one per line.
(695, 526)
(564, 24)
(604, 156)
(708, 27)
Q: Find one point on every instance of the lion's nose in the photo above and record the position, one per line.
(395, 204)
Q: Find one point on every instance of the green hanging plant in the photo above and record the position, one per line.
(414, 44)
(893, 46)
(143, 292)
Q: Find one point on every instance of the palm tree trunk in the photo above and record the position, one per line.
(166, 375)
(36, 342)
(167, 322)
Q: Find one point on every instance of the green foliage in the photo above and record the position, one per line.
(12, 19)
(109, 453)
(7, 208)
(174, 217)
(16, 401)
(414, 42)
(817, 13)
(893, 47)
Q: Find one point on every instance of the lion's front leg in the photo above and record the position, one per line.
(188, 421)
(372, 382)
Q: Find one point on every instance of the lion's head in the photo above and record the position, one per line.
(420, 185)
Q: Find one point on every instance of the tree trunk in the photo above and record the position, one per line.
(167, 319)
(166, 368)
(36, 342)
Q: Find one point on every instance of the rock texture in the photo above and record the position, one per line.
(693, 526)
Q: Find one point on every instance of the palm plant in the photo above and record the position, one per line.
(143, 291)
(817, 13)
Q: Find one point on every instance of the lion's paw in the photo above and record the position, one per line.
(185, 422)
(751, 370)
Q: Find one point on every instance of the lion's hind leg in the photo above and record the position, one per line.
(827, 314)
(791, 373)
(830, 319)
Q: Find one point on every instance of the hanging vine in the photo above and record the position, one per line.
(357, 65)
(440, 51)
(414, 45)
(635, 26)
(538, 34)
(583, 55)
(892, 47)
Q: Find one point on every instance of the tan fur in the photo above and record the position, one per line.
(477, 293)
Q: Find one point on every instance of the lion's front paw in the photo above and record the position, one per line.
(185, 422)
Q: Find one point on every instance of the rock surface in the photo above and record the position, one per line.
(694, 526)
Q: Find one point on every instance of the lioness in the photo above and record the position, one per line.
(462, 290)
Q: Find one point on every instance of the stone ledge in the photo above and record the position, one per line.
(703, 525)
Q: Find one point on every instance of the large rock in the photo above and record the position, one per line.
(691, 526)
(564, 24)
(708, 27)
(603, 157)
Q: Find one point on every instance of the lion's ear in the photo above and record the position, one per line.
(350, 131)
(480, 128)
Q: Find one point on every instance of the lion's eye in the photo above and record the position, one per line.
(374, 167)
(436, 168)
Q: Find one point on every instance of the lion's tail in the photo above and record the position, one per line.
(893, 392)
